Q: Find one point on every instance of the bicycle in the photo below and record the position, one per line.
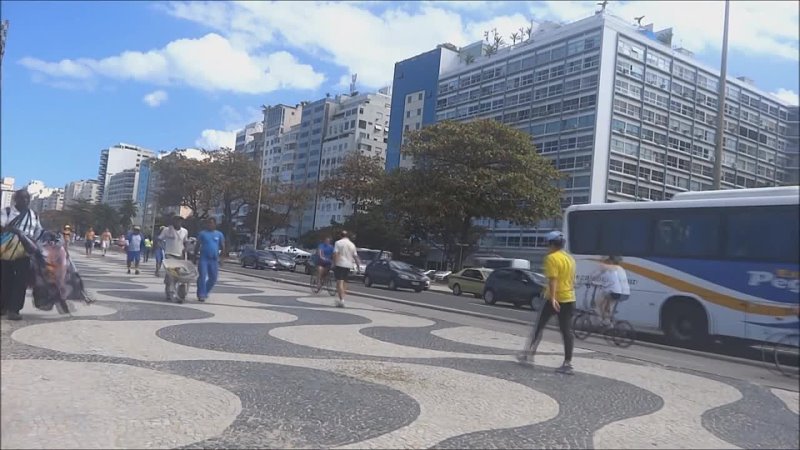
(784, 354)
(327, 283)
(620, 332)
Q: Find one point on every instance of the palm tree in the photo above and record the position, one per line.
(127, 211)
(514, 36)
(79, 212)
(529, 31)
(469, 59)
(105, 216)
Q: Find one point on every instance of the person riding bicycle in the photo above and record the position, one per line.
(613, 282)
(324, 260)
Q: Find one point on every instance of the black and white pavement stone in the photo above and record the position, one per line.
(260, 365)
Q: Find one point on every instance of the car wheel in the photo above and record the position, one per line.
(367, 281)
(392, 285)
(488, 297)
(456, 289)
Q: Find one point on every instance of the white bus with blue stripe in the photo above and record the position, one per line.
(712, 263)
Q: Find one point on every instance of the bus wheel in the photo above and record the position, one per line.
(684, 322)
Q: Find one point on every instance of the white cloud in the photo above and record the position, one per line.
(210, 63)
(350, 35)
(216, 139)
(757, 27)
(155, 98)
(787, 95)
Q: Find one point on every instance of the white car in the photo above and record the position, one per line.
(442, 275)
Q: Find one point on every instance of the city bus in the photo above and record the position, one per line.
(703, 264)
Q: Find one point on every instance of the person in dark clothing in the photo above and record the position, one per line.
(15, 265)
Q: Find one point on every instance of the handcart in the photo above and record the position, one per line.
(180, 273)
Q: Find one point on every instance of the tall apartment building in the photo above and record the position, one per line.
(793, 146)
(312, 148)
(82, 190)
(118, 158)
(121, 186)
(250, 140)
(620, 112)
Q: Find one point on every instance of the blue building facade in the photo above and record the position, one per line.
(419, 74)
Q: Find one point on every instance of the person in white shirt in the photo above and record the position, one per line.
(19, 220)
(344, 256)
(614, 285)
(174, 241)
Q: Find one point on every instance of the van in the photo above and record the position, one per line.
(504, 263)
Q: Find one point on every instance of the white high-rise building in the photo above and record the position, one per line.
(88, 190)
(7, 192)
(119, 158)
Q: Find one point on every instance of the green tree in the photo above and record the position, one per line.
(127, 211)
(186, 182)
(467, 171)
(55, 220)
(79, 213)
(235, 184)
(359, 180)
(105, 216)
(281, 203)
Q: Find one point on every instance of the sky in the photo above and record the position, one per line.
(78, 77)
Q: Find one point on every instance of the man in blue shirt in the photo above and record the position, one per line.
(134, 242)
(324, 260)
(210, 243)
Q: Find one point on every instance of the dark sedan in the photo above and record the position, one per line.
(258, 259)
(394, 275)
(285, 261)
(517, 286)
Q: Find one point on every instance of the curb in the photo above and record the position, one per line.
(513, 321)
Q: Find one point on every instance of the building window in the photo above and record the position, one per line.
(419, 111)
(419, 96)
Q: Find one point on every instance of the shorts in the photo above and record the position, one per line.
(105, 244)
(341, 273)
(134, 257)
(325, 264)
(89, 244)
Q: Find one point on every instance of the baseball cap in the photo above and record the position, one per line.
(136, 227)
(555, 236)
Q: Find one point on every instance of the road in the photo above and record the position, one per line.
(467, 304)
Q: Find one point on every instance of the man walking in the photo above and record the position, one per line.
(15, 264)
(134, 244)
(210, 244)
(174, 239)
(105, 241)
(344, 257)
(89, 244)
(559, 268)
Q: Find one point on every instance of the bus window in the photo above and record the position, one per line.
(763, 234)
(686, 234)
(609, 233)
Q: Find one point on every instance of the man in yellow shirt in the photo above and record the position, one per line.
(559, 268)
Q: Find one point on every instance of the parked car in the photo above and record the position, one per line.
(285, 261)
(394, 275)
(469, 281)
(517, 286)
(257, 259)
(441, 275)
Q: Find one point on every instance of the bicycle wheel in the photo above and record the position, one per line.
(787, 355)
(329, 286)
(313, 285)
(623, 334)
(582, 326)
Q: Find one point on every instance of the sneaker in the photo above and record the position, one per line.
(14, 316)
(565, 369)
(137, 272)
(201, 299)
(340, 303)
(129, 271)
(524, 358)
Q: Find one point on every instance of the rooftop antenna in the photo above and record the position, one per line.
(603, 5)
(639, 20)
(353, 83)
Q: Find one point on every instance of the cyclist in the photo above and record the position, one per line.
(559, 268)
(324, 260)
(614, 285)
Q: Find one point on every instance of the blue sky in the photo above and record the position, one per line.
(80, 76)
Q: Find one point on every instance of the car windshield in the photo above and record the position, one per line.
(264, 253)
(401, 266)
(284, 257)
(367, 255)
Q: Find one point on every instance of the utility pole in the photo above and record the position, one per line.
(723, 75)
(261, 175)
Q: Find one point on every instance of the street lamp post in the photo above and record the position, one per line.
(461, 254)
(723, 75)
(261, 175)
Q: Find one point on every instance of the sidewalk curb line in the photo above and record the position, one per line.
(513, 321)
